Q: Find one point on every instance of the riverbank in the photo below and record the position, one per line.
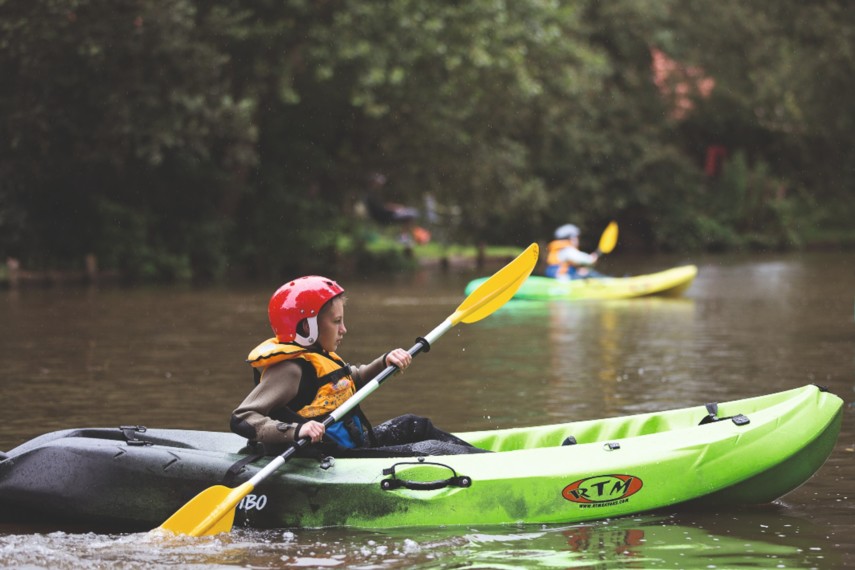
(380, 255)
(387, 256)
(13, 274)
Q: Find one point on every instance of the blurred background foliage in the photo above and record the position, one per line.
(186, 139)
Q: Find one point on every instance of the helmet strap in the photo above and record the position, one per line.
(312, 337)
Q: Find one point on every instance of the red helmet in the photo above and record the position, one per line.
(297, 300)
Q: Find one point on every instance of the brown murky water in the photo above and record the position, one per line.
(170, 357)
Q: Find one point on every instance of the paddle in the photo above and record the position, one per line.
(213, 510)
(609, 238)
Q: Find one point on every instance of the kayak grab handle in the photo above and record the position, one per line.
(395, 483)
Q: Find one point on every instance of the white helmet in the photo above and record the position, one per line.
(567, 231)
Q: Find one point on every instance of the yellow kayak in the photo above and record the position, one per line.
(671, 282)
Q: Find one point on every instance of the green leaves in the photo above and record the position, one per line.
(246, 119)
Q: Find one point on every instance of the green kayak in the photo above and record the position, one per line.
(741, 452)
(670, 282)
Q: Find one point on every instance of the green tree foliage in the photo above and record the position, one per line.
(120, 135)
(783, 79)
(459, 99)
(517, 115)
(184, 137)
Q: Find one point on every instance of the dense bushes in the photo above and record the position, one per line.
(193, 139)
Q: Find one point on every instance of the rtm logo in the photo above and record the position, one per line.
(602, 488)
(251, 502)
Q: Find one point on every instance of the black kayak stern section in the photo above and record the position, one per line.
(103, 476)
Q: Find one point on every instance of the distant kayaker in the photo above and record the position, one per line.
(564, 258)
(300, 380)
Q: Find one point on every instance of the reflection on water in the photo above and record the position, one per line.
(644, 542)
(582, 356)
(175, 358)
(604, 339)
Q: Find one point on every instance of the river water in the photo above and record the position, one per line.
(173, 357)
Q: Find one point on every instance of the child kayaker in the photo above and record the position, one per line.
(300, 380)
(565, 260)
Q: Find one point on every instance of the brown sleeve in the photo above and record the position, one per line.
(364, 373)
(278, 386)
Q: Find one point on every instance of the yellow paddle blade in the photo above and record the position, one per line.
(210, 512)
(498, 289)
(609, 238)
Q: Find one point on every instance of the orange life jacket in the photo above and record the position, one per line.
(552, 251)
(334, 380)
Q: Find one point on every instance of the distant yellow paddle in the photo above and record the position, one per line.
(609, 238)
(213, 510)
